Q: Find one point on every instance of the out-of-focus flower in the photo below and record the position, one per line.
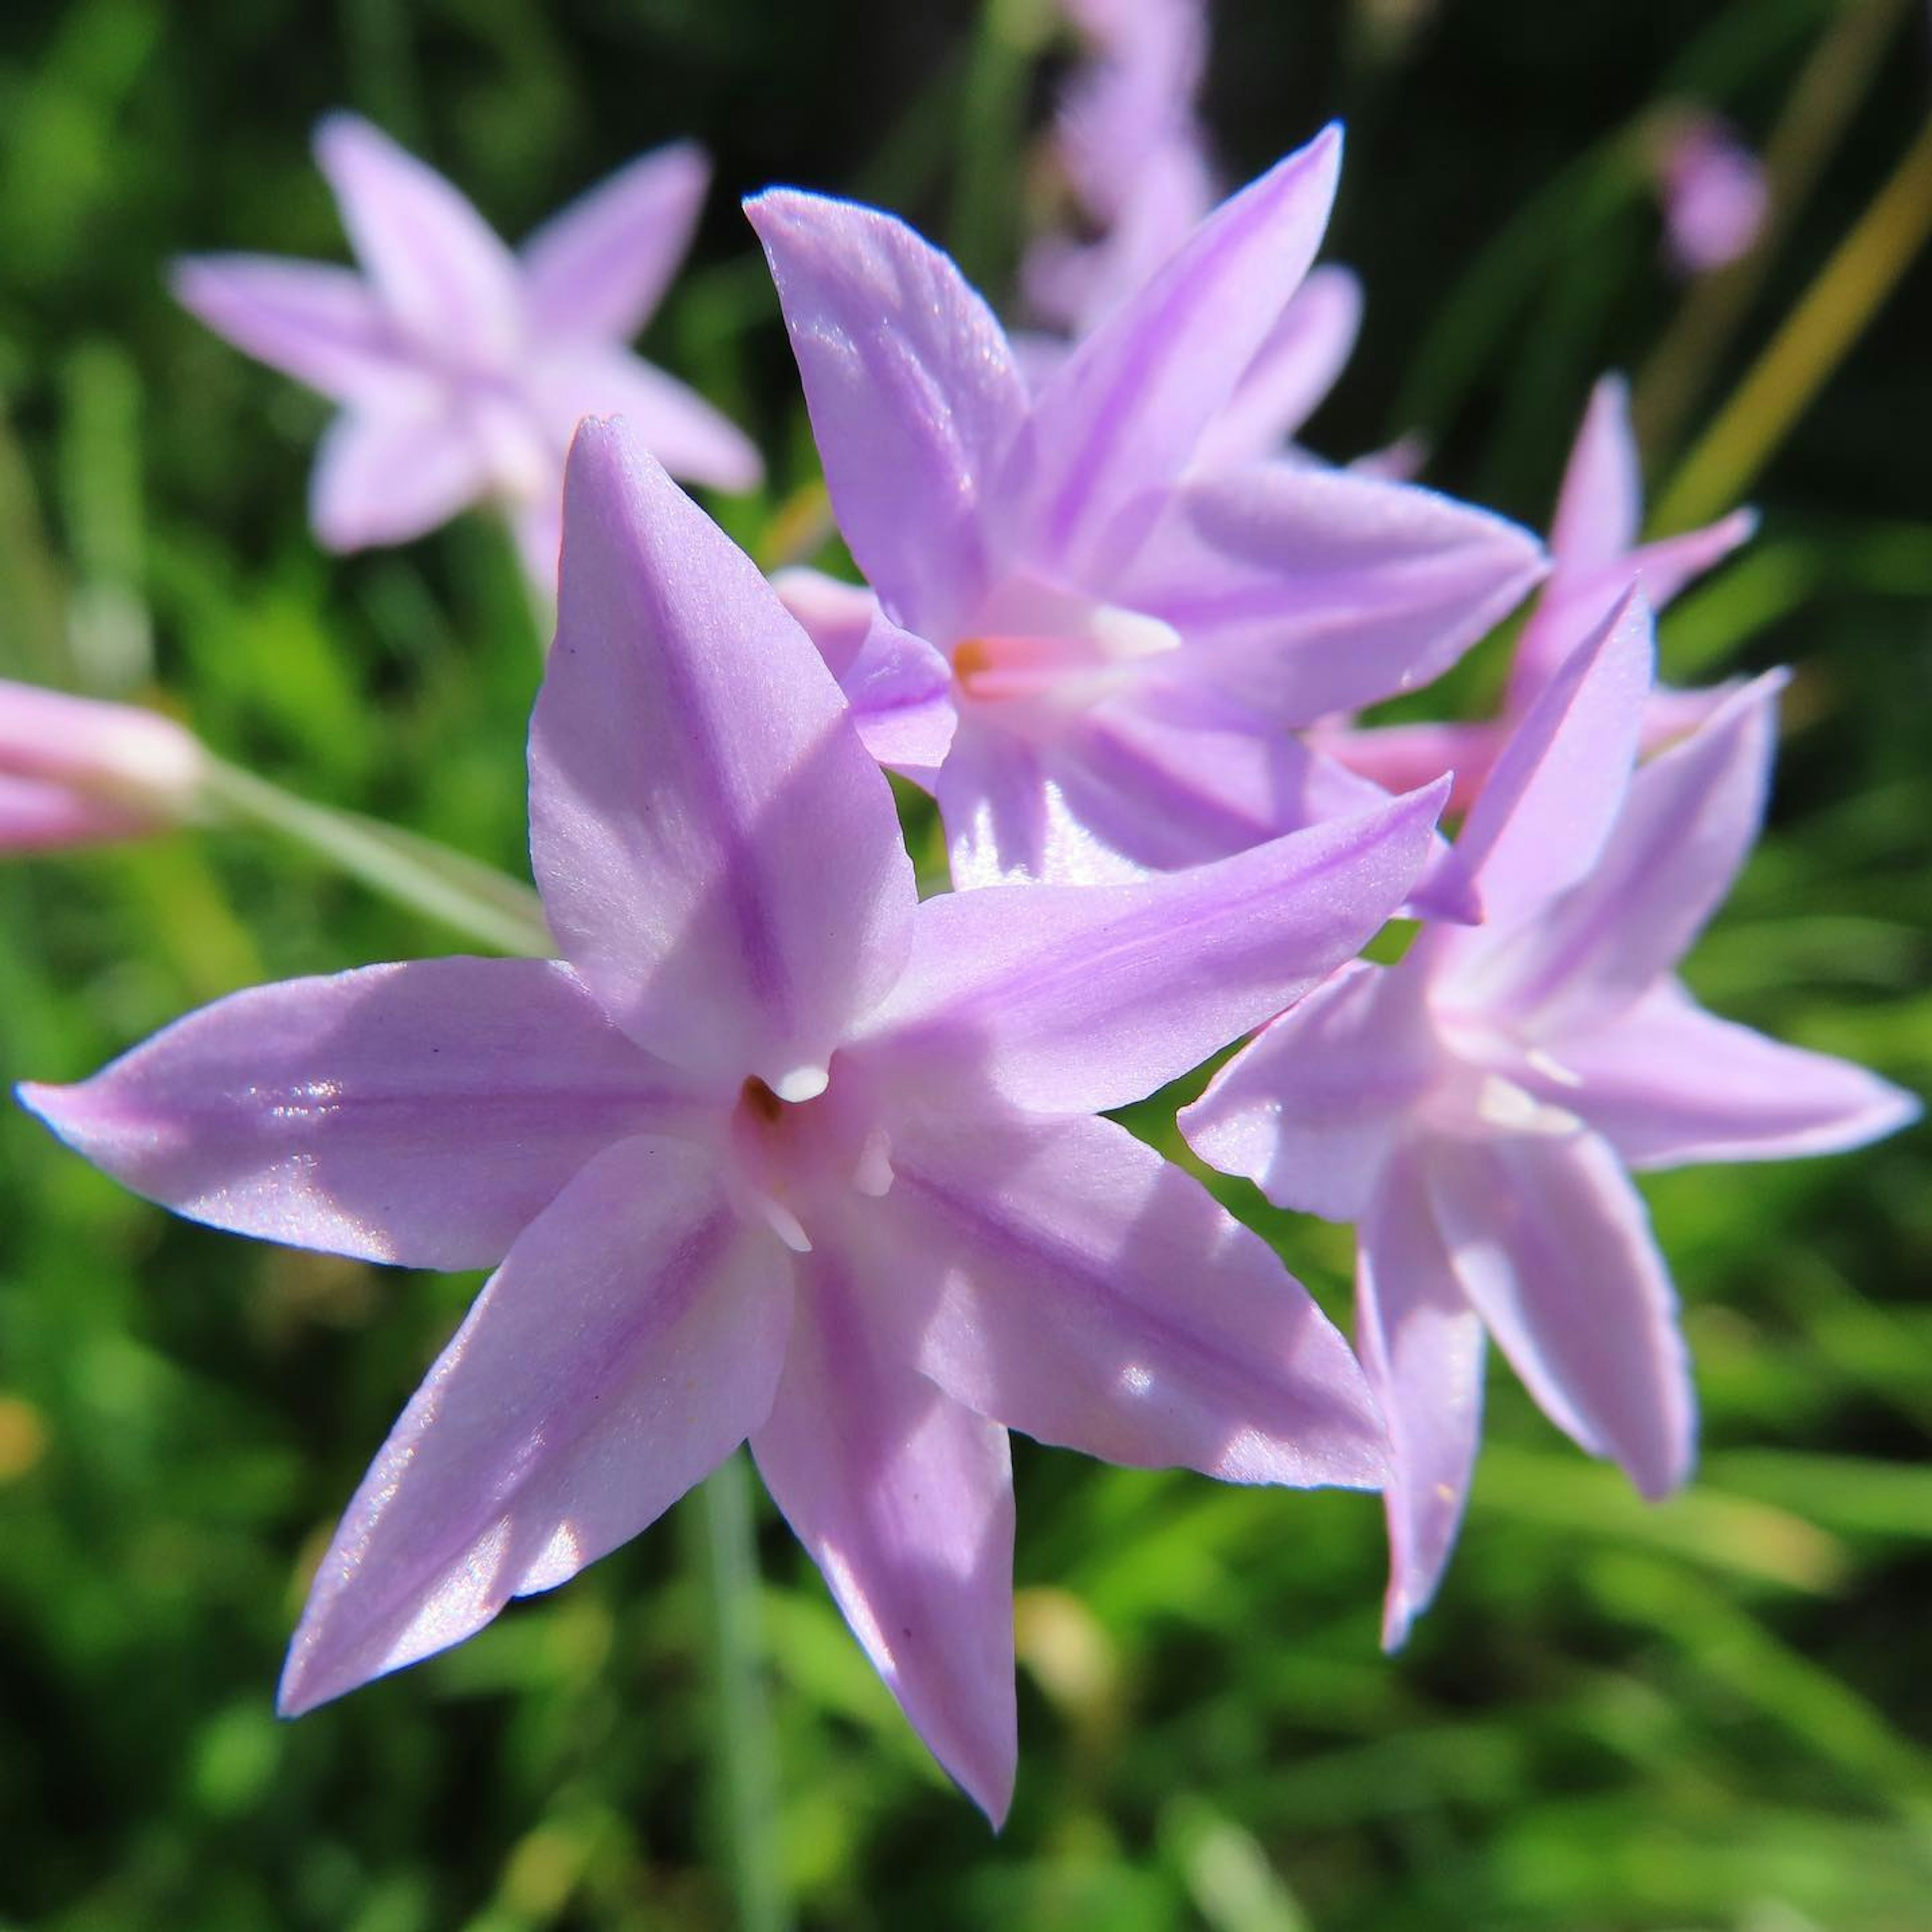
(75, 771)
(1131, 148)
(1594, 556)
(1714, 191)
(462, 367)
(1475, 1108)
(776, 1150)
(1101, 650)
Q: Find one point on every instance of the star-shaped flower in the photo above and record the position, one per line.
(76, 771)
(1475, 1108)
(1594, 556)
(1095, 654)
(774, 1151)
(462, 367)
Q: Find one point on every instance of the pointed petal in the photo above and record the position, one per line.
(1555, 791)
(1687, 824)
(1572, 600)
(390, 476)
(718, 855)
(445, 279)
(1309, 1109)
(1293, 370)
(320, 324)
(905, 1499)
(1600, 505)
(682, 430)
(1121, 418)
(1667, 1084)
(1303, 591)
(1075, 999)
(632, 1339)
(598, 269)
(1552, 1245)
(1091, 1294)
(1421, 1346)
(914, 394)
(422, 1113)
(899, 688)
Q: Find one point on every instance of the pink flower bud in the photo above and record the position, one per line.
(1714, 191)
(74, 771)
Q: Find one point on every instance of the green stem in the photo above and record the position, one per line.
(747, 1795)
(472, 898)
(1816, 337)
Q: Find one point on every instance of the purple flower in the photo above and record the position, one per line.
(463, 368)
(1106, 650)
(1714, 193)
(774, 1151)
(1132, 150)
(1475, 1108)
(1594, 556)
(74, 771)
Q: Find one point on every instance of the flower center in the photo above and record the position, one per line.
(793, 1160)
(1035, 645)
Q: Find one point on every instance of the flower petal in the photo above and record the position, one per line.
(1175, 774)
(1552, 1245)
(1600, 504)
(1005, 819)
(900, 689)
(1687, 824)
(320, 324)
(390, 475)
(684, 432)
(1400, 757)
(1572, 600)
(1309, 1110)
(1303, 591)
(1091, 1294)
(1123, 415)
(422, 1113)
(444, 276)
(632, 1339)
(1667, 1084)
(1421, 1346)
(37, 817)
(1553, 794)
(1292, 372)
(904, 1498)
(913, 393)
(1074, 999)
(718, 855)
(598, 269)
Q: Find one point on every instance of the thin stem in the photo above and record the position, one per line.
(746, 1797)
(472, 898)
(1816, 337)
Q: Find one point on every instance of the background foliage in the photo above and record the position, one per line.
(1716, 1714)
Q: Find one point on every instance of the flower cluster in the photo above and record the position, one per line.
(773, 1152)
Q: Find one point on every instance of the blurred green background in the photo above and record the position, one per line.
(1716, 1714)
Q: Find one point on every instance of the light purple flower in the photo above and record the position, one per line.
(1112, 651)
(774, 1151)
(75, 771)
(1594, 556)
(1475, 1108)
(462, 367)
(1130, 143)
(1714, 193)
